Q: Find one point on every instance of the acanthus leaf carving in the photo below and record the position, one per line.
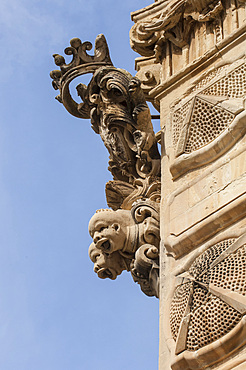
(120, 194)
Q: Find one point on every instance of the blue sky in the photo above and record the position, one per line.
(55, 313)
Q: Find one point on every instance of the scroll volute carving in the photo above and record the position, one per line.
(121, 116)
(174, 24)
(127, 237)
(115, 103)
(145, 265)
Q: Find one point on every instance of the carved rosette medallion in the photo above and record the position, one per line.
(127, 237)
(209, 303)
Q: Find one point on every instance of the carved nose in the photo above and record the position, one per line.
(96, 268)
(96, 237)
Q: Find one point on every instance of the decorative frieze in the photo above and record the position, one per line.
(174, 24)
(178, 33)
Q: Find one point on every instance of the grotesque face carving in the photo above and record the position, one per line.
(108, 230)
(117, 238)
(106, 265)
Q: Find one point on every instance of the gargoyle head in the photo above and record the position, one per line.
(107, 265)
(110, 230)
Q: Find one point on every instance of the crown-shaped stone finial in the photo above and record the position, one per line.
(81, 62)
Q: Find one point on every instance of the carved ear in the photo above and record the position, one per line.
(116, 226)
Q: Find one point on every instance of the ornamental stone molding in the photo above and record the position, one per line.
(174, 24)
(209, 119)
(174, 36)
(209, 303)
(177, 222)
(127, 240)
(115, 103)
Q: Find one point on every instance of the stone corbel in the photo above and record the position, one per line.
(174, 24)
(115, 103)
(127, 240)
(127, 237)
(145, 265)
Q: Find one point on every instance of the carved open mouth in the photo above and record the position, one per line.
(104, 245)
(106, 273)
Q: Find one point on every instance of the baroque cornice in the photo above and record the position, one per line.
(148, 10)
(174, 23)
(162, 89)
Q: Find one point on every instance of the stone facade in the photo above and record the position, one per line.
(177, 221)
(193, 67)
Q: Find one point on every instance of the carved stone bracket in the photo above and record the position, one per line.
(126, 238)
(117, 107)
(122, 195)
(173, 24)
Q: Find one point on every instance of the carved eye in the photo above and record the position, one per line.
(116, 92)
(95, 257)
(102, 228)
(116, 227)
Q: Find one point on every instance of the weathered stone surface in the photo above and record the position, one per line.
(127, 237)
(190, 220)
(127, 240)
(199, 48)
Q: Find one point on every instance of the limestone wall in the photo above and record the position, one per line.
(193, 68)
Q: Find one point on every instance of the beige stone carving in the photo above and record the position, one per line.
(209, 300)
(127, 240)
(192, 69)
(210, 122)
(112, 231)
(107, 265)
(174, 24)
(177, 34)
(199, 47)
(145, 269)
(116, 105)
(122, 195)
